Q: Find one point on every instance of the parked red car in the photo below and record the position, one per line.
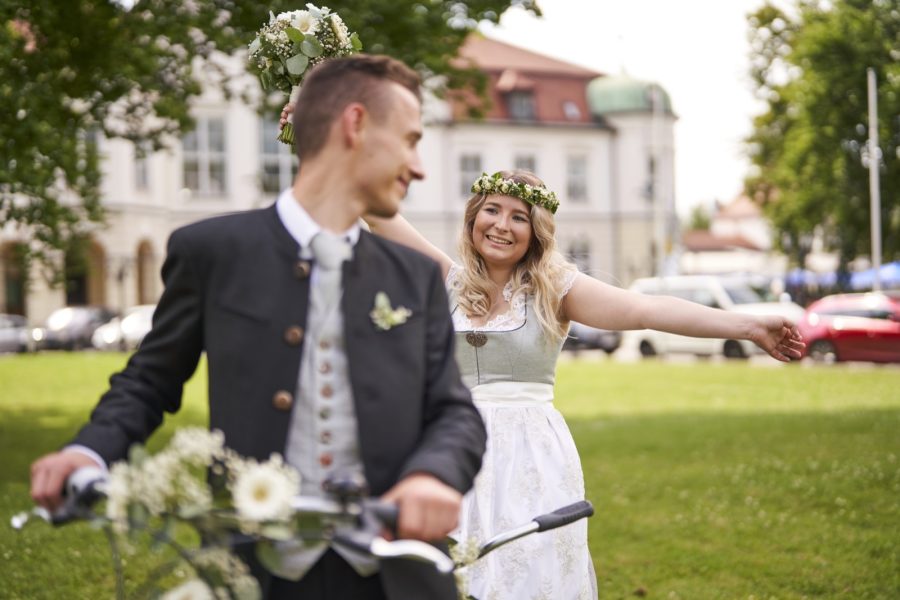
(863, 327)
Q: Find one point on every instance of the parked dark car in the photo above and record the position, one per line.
(583, 337)
(864, 327)
(71, 328)
(15, 334)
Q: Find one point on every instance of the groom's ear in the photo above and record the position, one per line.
(353, 122)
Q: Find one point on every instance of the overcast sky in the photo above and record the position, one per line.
(696, 49)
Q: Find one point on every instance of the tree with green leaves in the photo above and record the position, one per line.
(72, 70)
(699, 219)
(809, 148)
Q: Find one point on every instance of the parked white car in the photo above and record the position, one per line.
(15, 334)
(716, 292)
(125, 333)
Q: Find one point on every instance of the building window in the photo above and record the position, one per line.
(526, 162)
(580, 254)
(204, 157)
(571, 110)
(278, 164)
(469, 171)
(576, 178)
(142, 152)
(520, 106)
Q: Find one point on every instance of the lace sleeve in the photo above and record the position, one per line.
(452, 276)
(567, 280)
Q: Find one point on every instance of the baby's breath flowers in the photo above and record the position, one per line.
(293, 42)
(464, 554)
(153, 492)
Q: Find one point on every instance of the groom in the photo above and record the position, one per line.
(300, 363)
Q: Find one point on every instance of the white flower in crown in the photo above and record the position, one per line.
(263, 492)
(384, 316)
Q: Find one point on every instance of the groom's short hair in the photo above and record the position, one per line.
(333, 84)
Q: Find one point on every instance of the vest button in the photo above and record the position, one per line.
(327, 391)
(293, 335)
(325, 437)
(325, 459)
(282, 400)
(325, 368)
(324, 413)
(302, 269)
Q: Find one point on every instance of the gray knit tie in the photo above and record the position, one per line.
(330, 252)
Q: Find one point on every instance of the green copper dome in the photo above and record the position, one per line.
(620, 93)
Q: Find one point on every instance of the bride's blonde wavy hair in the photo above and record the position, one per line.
(540, 272)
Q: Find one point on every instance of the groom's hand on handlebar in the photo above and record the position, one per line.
(49, 474)
(429, 508)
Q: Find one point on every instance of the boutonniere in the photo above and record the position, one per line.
(384, 316)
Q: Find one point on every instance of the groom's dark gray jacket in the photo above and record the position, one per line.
(236, 289)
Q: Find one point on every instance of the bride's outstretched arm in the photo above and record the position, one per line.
(597, 304)
(397, 229)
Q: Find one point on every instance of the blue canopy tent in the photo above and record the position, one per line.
(827, 280)
(865, 280)
(800, 277)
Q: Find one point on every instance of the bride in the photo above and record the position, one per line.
(512, 296)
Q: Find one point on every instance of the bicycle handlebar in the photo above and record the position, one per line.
(565, 515)
(362, 519)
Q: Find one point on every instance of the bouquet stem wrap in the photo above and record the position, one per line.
(287, 132)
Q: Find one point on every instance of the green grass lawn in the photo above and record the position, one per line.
(710, 480)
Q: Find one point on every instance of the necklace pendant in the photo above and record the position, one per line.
(476, 339)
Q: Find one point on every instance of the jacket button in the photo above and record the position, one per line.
(293, 335)
(302, 269)
(282, 400)
(325, 459)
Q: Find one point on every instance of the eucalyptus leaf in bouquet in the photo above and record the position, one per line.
(292, 43)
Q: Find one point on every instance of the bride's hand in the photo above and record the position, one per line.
(285, 115)
(778, 337)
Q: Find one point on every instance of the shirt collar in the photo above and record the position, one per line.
(300, 224)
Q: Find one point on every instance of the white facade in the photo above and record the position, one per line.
(600, 172)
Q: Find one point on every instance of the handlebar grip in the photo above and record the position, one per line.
(80, 493)
(565, 515)
(387, 514)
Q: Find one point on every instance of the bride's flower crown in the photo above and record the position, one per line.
(536, 195)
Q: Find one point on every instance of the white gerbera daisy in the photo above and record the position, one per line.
(305, 22)
(263, 492)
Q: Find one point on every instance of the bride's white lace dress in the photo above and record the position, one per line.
(531, 465)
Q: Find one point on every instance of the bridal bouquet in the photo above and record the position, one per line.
(196, 481)
(293, 42)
